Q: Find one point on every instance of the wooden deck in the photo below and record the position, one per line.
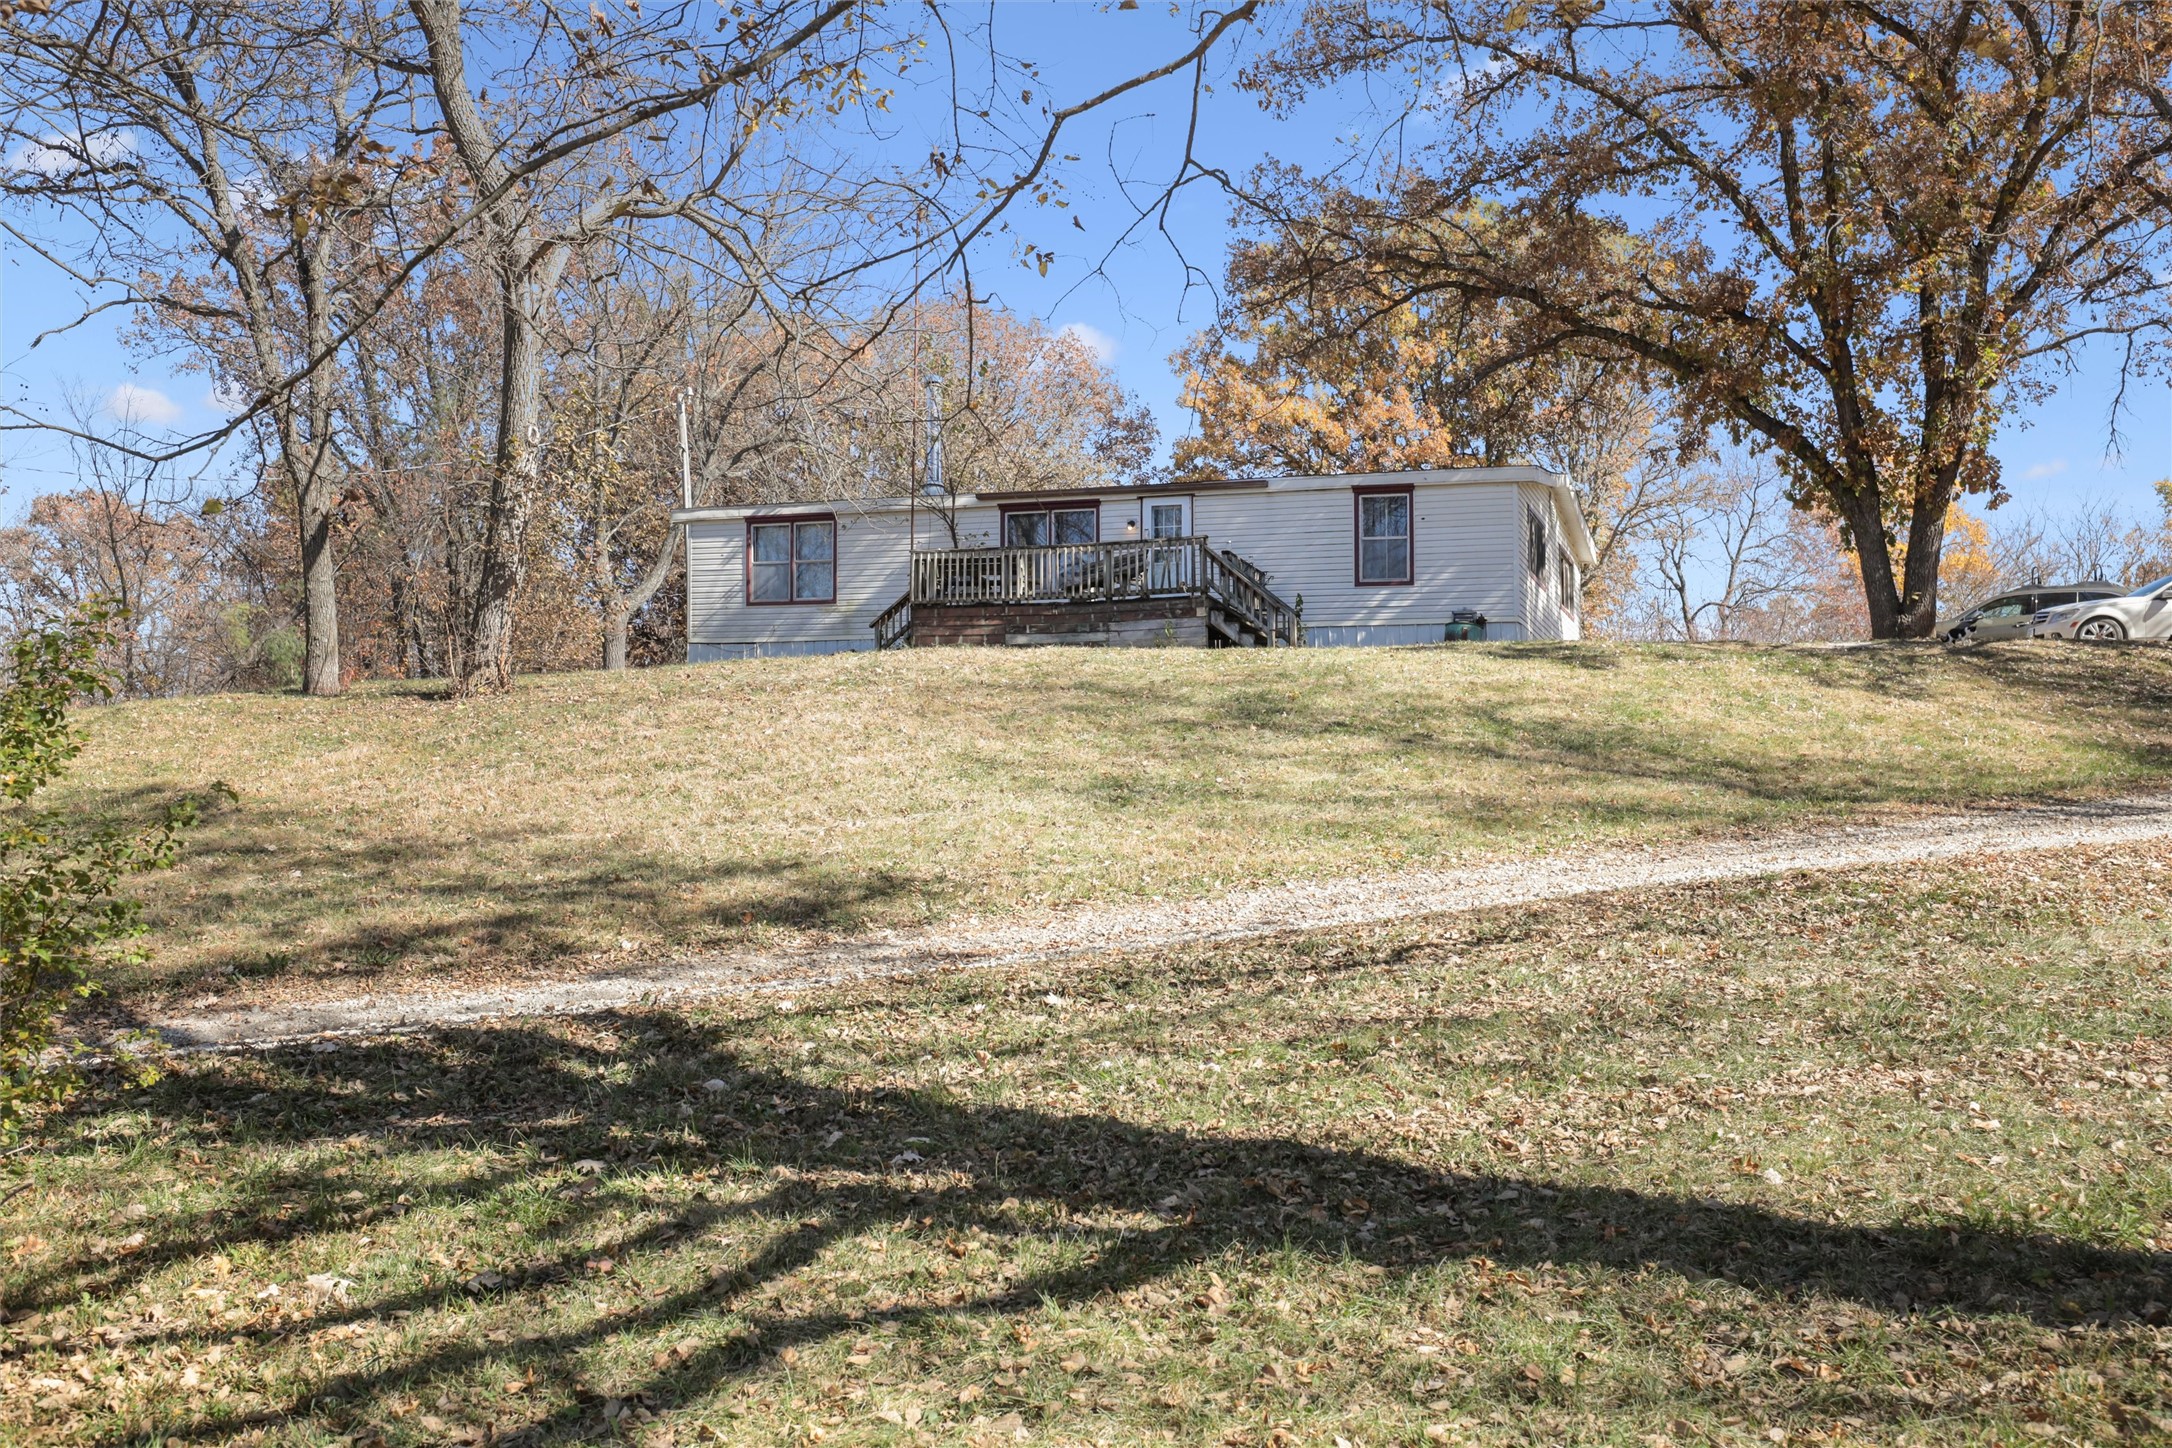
(1137, 591)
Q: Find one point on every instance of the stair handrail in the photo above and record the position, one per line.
(1243, 589)
(894, 625)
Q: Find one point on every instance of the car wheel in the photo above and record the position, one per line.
(2102, 631)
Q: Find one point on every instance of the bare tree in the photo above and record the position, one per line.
(598, 132)
(199, 166)
(692, 116)
(1729, 558)
(135, 533)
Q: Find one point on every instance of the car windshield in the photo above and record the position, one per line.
(2149, 588)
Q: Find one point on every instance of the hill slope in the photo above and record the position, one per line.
(393, 833)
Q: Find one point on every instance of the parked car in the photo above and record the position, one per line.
(2011, 615)
(2145, 613)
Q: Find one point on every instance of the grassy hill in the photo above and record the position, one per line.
(392, 832)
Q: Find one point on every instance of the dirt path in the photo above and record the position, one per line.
(1266, 911)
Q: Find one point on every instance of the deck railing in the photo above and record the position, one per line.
(1139, 568)
(1062, 573)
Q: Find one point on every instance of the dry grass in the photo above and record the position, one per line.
(1872, 1158)
(391, 833)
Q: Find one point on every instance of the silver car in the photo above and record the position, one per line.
(2145, 613)
(2010, 615)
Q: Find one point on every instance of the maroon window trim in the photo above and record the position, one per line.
(747, 559)
(1059, 505)
(1357, 536)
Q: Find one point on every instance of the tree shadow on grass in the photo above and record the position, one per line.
(352, 913)
(1002, 1171)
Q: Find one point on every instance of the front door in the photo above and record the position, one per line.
(1166, 519)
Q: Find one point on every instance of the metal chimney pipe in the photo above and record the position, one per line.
(932, 480)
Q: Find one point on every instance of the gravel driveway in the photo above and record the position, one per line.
(1272, 910)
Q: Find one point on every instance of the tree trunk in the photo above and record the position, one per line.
(302, 420)
(1919, 571)
(317, 484)
(486, 591)
(418, 615)
(485, 615)
(618, 610)
(616, 617)
(320, 589)
(1859, 510)
(1905, 607)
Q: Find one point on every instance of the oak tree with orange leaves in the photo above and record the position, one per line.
(1320, 382)
(1855, 235)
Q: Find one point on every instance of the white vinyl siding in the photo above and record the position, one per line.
(1463, 546)
(867, 574)
(1543, 590)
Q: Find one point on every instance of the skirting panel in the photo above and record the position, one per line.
(718, 653)
(1389, 635)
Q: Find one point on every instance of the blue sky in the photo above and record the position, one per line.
(1137, 303)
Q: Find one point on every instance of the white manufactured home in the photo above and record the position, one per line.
(1379, 558)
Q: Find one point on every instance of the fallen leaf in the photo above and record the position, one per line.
(325, 1286)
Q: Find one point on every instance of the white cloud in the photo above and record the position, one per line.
(1469, 82)
(2050, 469)
(58, 155)
(141, 406)
(1093, 339)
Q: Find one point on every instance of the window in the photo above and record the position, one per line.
(1538, 543)
(1383, 537)
(1041, 527)
(1566, 573)
(792, 561)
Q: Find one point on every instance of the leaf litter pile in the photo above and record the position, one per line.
(1879, 1157)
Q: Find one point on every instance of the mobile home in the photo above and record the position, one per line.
(1381, 558)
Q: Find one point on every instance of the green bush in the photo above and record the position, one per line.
(61, 915)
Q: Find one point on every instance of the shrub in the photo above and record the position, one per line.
(61, 915)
